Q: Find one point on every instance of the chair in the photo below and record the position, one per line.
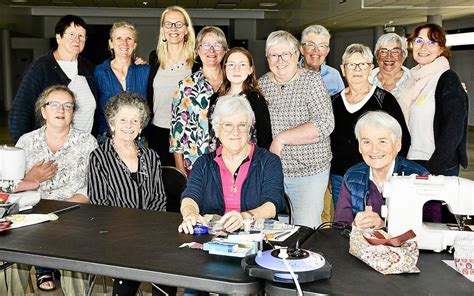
(287, 212)
(174, 182)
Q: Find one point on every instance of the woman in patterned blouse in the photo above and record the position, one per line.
(56, 159)
(302, 120)
(189, 135)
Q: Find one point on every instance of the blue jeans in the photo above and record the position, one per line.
(336, 184)
(307, 196)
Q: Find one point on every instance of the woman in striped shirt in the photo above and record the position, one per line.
(123, 173)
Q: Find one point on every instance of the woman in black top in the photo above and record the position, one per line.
(350, 104)
(240, 80)
(123, 173)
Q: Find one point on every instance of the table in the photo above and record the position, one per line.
(126, 243)
(350, 276)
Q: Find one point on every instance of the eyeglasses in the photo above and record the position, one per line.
(55, 105)
(395, 52)
(208, 46)
(233, 66)
(362, 66)
(229, 127)
(312, 46)
(73, 36)
(177, 25)
(419, 41)
(285, 56)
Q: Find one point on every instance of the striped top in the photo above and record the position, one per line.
(110, 182)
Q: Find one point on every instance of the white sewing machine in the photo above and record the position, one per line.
(405, 197)
(12, 171)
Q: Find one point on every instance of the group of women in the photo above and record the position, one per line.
(243, 142)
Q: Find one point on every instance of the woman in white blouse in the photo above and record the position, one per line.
(57, 156)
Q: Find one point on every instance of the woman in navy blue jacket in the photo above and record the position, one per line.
(239, 180)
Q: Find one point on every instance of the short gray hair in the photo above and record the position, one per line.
(212, 30)
(127, 99)
(392, 37)
(227, 106)
(43, 97)
(281, 37)
(316, 29)
(357, 48)
(378, 119)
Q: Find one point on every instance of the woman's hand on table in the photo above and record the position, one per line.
(42, 171)
(189, 221)
(232, 221)
(368, 219)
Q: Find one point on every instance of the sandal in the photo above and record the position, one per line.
(46, 278)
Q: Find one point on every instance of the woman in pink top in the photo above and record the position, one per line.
(239, 180)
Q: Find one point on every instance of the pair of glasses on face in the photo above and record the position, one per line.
(395, 52)
(419, 41)
(309, 45)
(68, 106)
(208, 46)
(362, 66)
(233, 66)
(229, 127)
(285, 56)
(73, 36)
(177, 25)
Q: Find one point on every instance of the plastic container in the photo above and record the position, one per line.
(464, 254)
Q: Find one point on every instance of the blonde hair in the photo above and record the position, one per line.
(118, 25)
(189, 39)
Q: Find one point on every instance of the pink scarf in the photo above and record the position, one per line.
(419, 78)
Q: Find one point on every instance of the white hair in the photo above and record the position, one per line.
(228, 106)
(281, 37)
(357, 48)
(378, 119)
(316, 29)
(392, 37)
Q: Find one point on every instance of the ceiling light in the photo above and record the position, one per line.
(268, 4)
(19, 1)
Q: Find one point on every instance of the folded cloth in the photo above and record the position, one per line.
(386, 255)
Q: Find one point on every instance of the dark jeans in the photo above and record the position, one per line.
(159, 140)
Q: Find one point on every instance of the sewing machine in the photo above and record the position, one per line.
(12, 171)
(405, 197)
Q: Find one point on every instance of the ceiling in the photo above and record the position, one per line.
(337, 15)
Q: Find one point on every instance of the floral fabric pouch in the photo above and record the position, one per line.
(387, 255)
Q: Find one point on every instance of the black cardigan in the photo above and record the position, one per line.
(449, 125)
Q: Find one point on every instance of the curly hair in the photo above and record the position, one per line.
(127, 99)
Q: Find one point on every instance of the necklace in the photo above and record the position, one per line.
(283, 84)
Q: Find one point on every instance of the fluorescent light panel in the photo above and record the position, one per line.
(460, 39)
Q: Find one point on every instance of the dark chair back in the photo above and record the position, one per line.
(174, 182)
(287, 212)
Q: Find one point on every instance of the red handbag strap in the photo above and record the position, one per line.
(396, 241)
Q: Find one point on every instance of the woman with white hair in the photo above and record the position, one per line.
(350, 104)
(391, 51)
(239, 180)
(380, 139)
(315, 48)
(302, 120)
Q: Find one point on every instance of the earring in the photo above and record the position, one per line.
(139, 137)
(164, 40)
(185, 37)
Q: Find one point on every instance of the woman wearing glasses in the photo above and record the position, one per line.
(391, 51)
(189, 135)
(57, 156)
(239, 80)
(172, 61)
(239, 180)
(435, 105)
(119, 73)
(302, 120)
(64, 66)
(350, 104)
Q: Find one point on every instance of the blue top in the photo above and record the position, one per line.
(108, 85)
(332, 79)
(264, 183)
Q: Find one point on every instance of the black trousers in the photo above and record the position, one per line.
(159, 140)
(130, 288)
